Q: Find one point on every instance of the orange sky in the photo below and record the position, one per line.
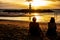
(20, 4)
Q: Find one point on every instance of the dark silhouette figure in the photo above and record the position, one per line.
(35, 30)
(51, 32)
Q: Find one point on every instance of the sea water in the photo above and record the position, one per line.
(41, 17)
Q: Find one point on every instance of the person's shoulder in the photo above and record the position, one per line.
(31, 22)
(48, 22)
(37, 23)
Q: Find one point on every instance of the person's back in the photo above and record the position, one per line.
(34, 29)
(51, 32)
(51, 29)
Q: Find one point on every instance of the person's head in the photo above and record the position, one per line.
(34, 19)
(52, 20)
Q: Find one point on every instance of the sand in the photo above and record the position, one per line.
(25, 24)
(43, 26)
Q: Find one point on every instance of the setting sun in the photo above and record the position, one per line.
(39, 3)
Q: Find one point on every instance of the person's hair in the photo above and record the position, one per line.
(34, 19)
(52, 20)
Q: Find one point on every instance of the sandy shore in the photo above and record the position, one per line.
(22, 24)
(43, 26)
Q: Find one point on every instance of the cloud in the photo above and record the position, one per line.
(10, 4)
(53, 0)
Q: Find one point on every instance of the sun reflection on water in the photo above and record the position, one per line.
(41, 17)
(38, 18)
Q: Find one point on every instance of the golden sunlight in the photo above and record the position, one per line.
(36, 3)
(38, 18)
(35, 14)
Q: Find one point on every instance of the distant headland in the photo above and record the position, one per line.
(26, 10)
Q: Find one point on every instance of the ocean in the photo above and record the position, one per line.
(41, 17)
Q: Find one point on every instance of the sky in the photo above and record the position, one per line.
(23, 4)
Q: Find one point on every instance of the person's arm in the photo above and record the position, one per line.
(29, 25)
(55, 26)
(41, 32)
(49, 25)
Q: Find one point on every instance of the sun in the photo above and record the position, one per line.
(39, 3)
(36, 3)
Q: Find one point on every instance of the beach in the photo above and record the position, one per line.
(16, 26)
(16, 15)
(44, 26)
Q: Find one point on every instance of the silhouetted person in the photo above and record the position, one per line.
(34, 29)
(51, 32)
